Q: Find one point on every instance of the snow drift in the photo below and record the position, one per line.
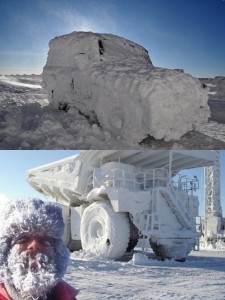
(113, 81)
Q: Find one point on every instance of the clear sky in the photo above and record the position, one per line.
(14, 165)
(185, 34)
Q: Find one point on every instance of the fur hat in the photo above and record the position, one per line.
(32, 216)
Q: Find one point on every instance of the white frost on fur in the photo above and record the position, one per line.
(27, 280)
(32, 216)
(3, 200)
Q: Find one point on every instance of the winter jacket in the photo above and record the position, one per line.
(62, 291)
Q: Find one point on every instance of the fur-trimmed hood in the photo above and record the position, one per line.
(33, 216)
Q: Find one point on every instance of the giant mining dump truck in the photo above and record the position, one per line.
(111, 198)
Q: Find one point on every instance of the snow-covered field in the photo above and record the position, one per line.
(202, 276)
(28, 121)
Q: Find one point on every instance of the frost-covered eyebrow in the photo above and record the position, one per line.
(17, 238)
(25, 237)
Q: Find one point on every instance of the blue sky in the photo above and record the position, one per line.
(14, 165)
(186, 34)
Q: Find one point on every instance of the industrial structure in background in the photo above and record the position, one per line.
(213, 225)
(111, 198)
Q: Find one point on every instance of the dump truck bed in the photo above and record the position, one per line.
(66, 179)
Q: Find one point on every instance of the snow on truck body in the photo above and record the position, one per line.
(113, 81)
(112, 197)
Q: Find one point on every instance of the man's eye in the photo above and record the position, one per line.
(46, 243)
(21, 240)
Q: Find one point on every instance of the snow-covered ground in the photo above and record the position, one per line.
(28, 121)
(202, 276)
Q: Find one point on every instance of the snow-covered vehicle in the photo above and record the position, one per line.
(111, 198)
(112, 81)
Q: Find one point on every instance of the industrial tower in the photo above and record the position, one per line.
(213, 226)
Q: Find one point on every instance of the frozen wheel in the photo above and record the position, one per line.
(104, 232)
(176, 251)
(134, 237)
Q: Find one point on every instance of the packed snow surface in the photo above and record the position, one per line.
(113, 81)
(28, 121)
(141, 277)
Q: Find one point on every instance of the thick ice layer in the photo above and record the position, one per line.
(113, 81)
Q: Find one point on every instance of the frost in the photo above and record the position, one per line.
(115, 81)
(29, 121)
(197, 278)
(139, 259)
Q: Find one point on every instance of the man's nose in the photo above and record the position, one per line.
(34, 245)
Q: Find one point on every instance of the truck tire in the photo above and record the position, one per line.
(103, 231)
(134, 236)
(74, 245)
(162, 252)
(157, 249)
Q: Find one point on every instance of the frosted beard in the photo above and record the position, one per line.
(30, 282)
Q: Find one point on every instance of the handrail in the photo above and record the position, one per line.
(141, 181)
(182, 209)
(186, 184)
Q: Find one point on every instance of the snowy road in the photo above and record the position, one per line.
(202, 276)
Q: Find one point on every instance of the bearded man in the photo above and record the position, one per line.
(33, 258)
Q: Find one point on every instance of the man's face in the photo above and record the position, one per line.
(32, 265)
(32, 245)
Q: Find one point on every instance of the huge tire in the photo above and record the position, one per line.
(169, 251)
(134, 236)
(104, 232)
(74, 245)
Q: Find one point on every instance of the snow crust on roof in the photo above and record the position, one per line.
(113, 81)
(76, 44)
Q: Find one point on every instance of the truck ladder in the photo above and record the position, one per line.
(179, 210)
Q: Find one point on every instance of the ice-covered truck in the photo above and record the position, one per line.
(112, 82)
(111, 198)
